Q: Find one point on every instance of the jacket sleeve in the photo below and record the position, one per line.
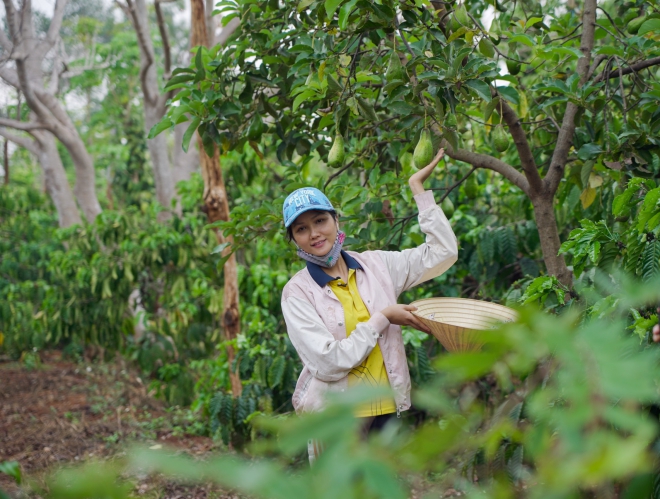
(414, 266)
(327, 358)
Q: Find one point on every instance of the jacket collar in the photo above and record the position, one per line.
(321, 278)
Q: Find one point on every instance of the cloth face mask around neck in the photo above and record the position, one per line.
(330, 258)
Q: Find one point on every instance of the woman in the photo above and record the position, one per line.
(341, 311)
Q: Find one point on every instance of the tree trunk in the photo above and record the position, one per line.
(217, 208)
(154, 108)
(163, 178)
(56, 182)
(85, 187)
(546, 224)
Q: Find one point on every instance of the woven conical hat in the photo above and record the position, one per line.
(457, 322)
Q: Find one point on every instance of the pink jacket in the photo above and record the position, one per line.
(315, 318)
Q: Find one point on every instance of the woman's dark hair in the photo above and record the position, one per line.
(289, 229)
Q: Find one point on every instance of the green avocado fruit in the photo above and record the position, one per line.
(635, 24)
(500, 138)
(486, 48)
(471, 187)
(256, 127)
(423, 153)
(447, 207)
(337, 154)
(513, 67)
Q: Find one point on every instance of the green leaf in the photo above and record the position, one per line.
(176, 80)
(585, 172)
(401, 107)
(531, 21)
(594, 251)
(481, 87)
(302, 97)
(159, 127)
(178, 71)
(199, 64)
(13, 469)
(331, 6)
(457, 34)
(649, 208)
(220, 248)
(510, 94)
(524, 39)
(589, 151)
(652, 25)
(303, 4)
(452, 137)
(490, 108)
(185, 143)
(344, 12)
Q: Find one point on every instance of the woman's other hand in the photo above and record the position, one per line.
(417, 179)
(656, 330)
(401, 316)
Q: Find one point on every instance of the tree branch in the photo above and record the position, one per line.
(565, 137)
(23, 142)
(600, 58)
(12, 21)
(527, 161)
(22, 125)
(56, 21)
(146, 48)
(9, 76)
(484, 161)
(632, 68)
(162, 28)
(20, 36)
(5, 43)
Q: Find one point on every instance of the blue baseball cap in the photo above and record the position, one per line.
(302, 200)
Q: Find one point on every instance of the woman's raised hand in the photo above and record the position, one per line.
(417, 179)
(401, 316)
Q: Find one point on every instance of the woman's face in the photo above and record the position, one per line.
(315, 232)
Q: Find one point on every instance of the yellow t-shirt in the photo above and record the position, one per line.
(372, 371)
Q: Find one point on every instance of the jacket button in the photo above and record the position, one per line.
(340, 324)
(380, 335)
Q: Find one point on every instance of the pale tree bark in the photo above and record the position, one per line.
(153, 100)
(27, 53)
(42, 145)
(217, 208)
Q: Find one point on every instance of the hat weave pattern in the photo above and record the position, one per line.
(457, 322)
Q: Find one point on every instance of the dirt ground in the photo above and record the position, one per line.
(64, 413)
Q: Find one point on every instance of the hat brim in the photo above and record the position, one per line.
(309, 208)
